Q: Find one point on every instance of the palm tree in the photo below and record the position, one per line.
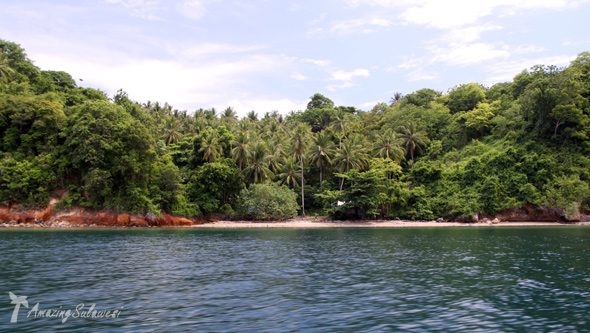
(340, 125)
(388, 145)
(171, 131)
(252, 116)
(241, 151)
(229, 113)
(211, 147)
(290, 173)
(198, 126)
(298, 148)
(321, 151)
(276, 156)
(412, 139)
(351, 156)
(257, 169)
(5, 70)
(397, 97)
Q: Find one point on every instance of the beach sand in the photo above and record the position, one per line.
(311, 222)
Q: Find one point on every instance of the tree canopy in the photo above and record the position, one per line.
(474, 150)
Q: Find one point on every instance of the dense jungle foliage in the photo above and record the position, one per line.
(471, 150)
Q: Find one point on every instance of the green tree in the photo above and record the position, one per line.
(171, 132)
(422, 97)
(257, 170)
(340, 126)
(241, 151)
(388, 145)
(214, 185)
(412, 139)
(352, 156)
(5, 70)
(110, 153)
(319, 101)
(466, 97)
(366, 193)
(299, 143)
(290, 173)
(321, 151)
(211, 147)
(268, 202)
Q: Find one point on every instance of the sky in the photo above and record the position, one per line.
(267, 55)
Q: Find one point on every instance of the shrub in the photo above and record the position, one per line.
(268, 202)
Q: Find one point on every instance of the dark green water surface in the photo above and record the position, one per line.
(312, 280)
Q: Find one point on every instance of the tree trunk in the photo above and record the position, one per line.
(302, 191)
(556, 126)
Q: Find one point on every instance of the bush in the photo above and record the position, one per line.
(268, 202)
(184, 207)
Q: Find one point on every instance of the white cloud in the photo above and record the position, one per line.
(262, 105)
(421, 74)
(346, 78)
(506, 70)
(467, 34)
(318, 20)
(145, 9)
(209, 49)
(368, 105)
(193, 9)
(361, 25)
(469, 54)
(570, 43)
(188, 85)
(299, 77)
(457, 13)
(320, 63)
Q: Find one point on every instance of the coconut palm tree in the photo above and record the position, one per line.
(252, 116)
(241, 151)
(172, 130)
(340, 125)
(290, 173)
(211, 147)
(388, 145)
(298, 149)
(397, 97)
(5, 70)
(229, 113)
(276, 156)
(412, 139)
(321, 151)
(257, 170)
(351, 156)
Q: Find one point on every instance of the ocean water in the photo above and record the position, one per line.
(472, 279)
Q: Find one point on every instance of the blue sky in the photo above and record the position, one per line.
(266, 55)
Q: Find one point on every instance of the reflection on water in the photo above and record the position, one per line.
(417, 280)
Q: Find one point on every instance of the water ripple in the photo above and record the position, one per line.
(373, 280)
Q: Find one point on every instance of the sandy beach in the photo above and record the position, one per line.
(310, 222)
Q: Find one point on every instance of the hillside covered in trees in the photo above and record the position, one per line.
(472, 150)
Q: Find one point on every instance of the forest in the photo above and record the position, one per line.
(470, 151)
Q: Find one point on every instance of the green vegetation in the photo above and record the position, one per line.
(268, 202)
(474, 150)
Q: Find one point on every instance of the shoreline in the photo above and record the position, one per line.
(311, 224)
(295, 223)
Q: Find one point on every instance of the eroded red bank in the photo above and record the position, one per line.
(80, 217)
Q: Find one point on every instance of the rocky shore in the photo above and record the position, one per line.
(84, 218)
(82, 221)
